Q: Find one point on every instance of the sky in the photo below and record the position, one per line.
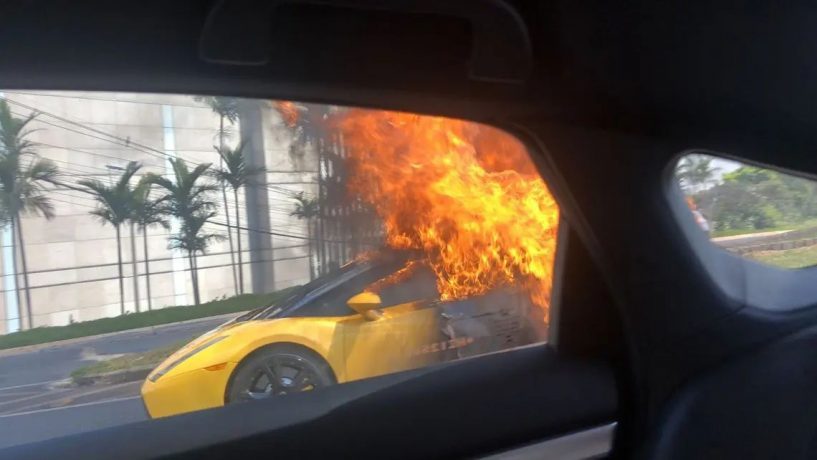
(724, 166)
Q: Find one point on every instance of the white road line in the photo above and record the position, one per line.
(34, 396)
(67, 399)
(29, 385)
(71, 407)
(17, 393)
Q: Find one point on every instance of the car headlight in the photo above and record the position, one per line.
(158, 374)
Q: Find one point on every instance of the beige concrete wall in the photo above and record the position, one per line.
(64, 253)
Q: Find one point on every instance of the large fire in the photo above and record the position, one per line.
(465, 195)
(288, 111)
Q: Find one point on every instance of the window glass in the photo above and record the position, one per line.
(163, 254)
(759, 213)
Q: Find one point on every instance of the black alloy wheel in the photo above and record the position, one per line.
(278, 371)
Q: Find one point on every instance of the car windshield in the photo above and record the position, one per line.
(315, 288)
(384, 261)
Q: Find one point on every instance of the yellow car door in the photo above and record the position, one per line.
(395, 329)
(397, 338)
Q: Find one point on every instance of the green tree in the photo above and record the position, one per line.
(236, 173)
(733, 206)
(227, 110)
(186, 198)
(146, 213)
(307, 209)
(115, 205)
(758, 198)
(193, 240)
(23, 179)
(309, 127)
(792, 197)
(695, 172)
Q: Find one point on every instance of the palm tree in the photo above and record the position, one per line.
(227, 109)
(308, 124)
(695, 172)
(191, 239)
(306, 208)
(236, 173)
(115, 204)
(309, 127)
(147, 212)
(187, 200)
(23, 176)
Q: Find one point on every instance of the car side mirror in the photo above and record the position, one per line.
(366, 303)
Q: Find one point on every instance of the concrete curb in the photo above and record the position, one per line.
(112, 378)
(78, 340)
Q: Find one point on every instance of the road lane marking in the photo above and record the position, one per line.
(35, 396)
(18, 393)
(53, 399)
(106, 401)
(29, 385)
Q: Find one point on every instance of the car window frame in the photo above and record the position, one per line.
(747, 283)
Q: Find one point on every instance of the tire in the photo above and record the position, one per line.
(278, 370)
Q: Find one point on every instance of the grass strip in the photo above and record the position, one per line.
(129, 361)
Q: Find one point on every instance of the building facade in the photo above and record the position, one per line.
(72, 258)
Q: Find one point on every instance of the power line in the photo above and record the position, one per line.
(166, 272)
(101, 155)
(214, 222)
(282, 235)
(83, 196)
(128, 143)
(296, 282)
(122, 141)
(202, 107)
(142, 261)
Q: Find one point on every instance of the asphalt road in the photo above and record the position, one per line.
(36, 402)
(40, 425)
(56, 362)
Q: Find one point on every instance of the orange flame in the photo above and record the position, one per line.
(400, 275)
(288, 111)
(691, 203)
(465, 194)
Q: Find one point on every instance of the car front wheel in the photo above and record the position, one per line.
(277, 371)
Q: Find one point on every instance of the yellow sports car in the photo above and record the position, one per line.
(334, 330)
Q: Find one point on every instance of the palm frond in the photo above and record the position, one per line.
(103, 215)
(197, 172)
(23, 175)
(190, 237)
(155, 179)
(226, 107)
(186, 199)
(147, 212)
(42, 169)
(115, 201)
(124, 179)
(235, 170)
(305, 208)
